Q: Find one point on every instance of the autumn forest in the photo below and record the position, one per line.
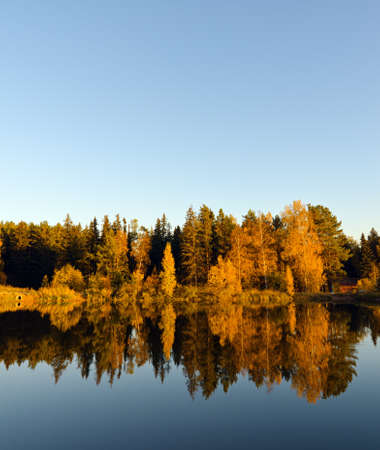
(301, 250)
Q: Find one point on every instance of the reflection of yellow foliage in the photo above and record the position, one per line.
(267, 298)
(13, 299)
(99, 286)
(292, 317)
(217, 340)
(289, 281)
(311, 351)
(62, 304)
(167, 324)
(225, 322)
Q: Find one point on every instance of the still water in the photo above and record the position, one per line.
(221, 377)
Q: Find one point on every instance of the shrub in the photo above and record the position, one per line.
(70, 277)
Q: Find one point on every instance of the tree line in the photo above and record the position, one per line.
(303, 249)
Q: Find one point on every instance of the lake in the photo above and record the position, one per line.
(189, 377)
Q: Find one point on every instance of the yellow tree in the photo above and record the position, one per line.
(140, 250)
(239, 256)
(224, 277)
(167, 276)
(112, 257)
(262, 251)
(302, 248)
(70, 277)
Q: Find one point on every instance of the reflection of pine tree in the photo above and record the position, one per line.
(189, 354)
(156, 354)
(342, 362)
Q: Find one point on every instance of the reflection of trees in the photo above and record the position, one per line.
(310, 345)
(199, 354)
(342, 362)
(310, 349)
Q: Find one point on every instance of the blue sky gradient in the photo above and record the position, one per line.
(150, 107)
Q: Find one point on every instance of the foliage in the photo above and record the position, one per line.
(262, 252)
(370, 283)
(309, 345)
(224, 277)
(239, 255)
(190, 249)
(123, 257)
(289, 281)
(70, 277)
(140, 248)
(334, 250)
(112, 257)
(167, 276)
(160, 237)
(167, 324)
(302, 248)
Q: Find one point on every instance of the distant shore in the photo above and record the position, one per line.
(353, 298)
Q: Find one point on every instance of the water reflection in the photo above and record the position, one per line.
(312, 346)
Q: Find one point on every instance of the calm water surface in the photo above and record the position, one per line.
(220, 377)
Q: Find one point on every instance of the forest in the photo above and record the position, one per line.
(304, 249)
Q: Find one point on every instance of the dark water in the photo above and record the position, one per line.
(304, 377)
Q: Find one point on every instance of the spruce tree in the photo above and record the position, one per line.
(160, 237)
(224, 225)
(352, 265)
(366, 257)
(176, 250)
(92, 243)
(374, 243)
(190, 248)
(206, 240)
(334, 249)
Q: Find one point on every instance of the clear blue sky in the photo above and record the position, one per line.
(145, 107)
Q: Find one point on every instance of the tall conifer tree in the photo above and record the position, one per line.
(206, 241)
(334, 249)
(366, 257)
(190, 248)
